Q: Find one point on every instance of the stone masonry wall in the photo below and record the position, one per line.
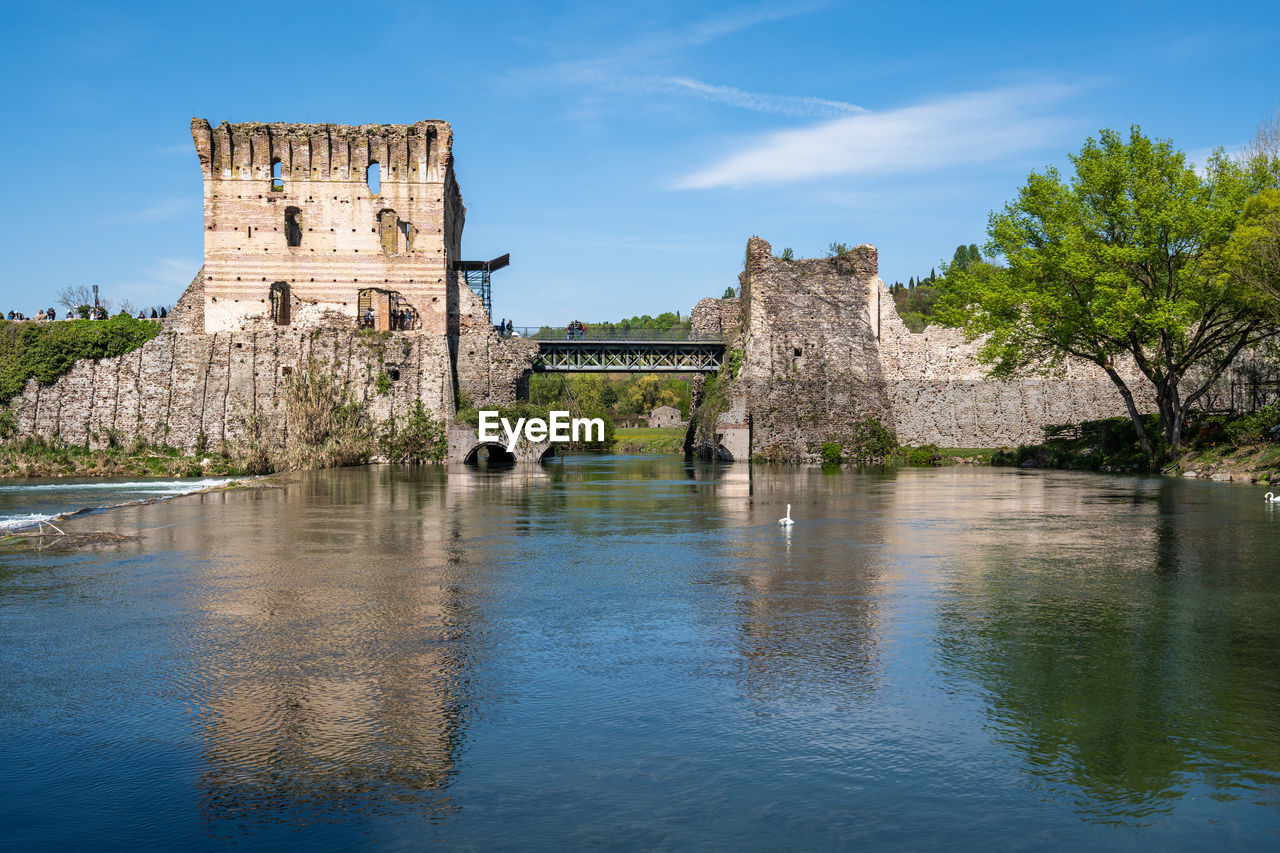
(823, 347)
(940, 392)
(712, 319)
(810, 366)
(178, 386)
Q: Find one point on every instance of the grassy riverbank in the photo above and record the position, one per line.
(38, 457)
(657, 440)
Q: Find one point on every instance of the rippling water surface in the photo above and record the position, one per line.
(630, 653)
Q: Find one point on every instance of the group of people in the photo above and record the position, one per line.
(402, 320)
(574, 330)
(97, 312)
(505, 328)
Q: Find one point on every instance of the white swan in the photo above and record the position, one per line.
(788, 521)
(1273, 498)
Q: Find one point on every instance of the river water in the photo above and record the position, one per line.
(628, 653)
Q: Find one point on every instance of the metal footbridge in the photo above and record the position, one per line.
(611, 349)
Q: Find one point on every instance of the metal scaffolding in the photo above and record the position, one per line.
(476, 274)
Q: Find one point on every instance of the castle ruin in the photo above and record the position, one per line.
(338, 248)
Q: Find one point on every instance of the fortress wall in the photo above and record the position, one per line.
(940, 393)
(492, 371)
(810, 367)
(178, 386)
(823, 347)
(716, 318)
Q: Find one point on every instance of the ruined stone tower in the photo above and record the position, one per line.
(316, 225)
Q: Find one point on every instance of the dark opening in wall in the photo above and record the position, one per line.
(797, 351)
(292, 226)
(388, 231)
(280, 299)
(394, 373)
(277, 177)
(373, 177)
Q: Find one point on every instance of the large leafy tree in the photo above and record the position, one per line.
(1121, 263)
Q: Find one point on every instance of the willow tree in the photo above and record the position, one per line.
(1120, 263)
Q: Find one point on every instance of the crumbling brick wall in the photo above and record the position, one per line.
(941, 393)
(323, 229)
(715, 319)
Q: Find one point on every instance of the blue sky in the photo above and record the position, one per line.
(622, 154)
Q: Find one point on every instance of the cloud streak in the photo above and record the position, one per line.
(971, 128)
(758, 101)
(618, 66)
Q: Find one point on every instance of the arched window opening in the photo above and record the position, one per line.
(277, 177)
(292, 226)
(373, 177)
(280, 303)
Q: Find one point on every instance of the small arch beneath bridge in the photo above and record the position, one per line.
(490, 455)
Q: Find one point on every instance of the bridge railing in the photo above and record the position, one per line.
(606, 332)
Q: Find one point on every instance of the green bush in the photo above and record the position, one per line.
(923, 457)
(871, 441)
(48, 350)
(832, 451)
(732, 363)
(421, 438)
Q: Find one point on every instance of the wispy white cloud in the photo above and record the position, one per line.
(621, 62)
(758, 101)
(963, 129)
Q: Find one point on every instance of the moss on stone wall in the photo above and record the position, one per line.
(48, 350)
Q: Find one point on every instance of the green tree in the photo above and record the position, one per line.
(650, 391)
(1252, 255)
(729, 293)
(965, 255)
(1117, 263)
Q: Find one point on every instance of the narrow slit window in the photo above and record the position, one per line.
(277, 177)
(373, 177)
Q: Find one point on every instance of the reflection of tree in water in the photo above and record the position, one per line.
(1132, 673)
(333, 665)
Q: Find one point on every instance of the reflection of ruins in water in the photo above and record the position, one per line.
(807, 616)
(335, 646)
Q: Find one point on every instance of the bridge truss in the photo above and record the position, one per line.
(629, 356)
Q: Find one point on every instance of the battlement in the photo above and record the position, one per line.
(405, 153)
